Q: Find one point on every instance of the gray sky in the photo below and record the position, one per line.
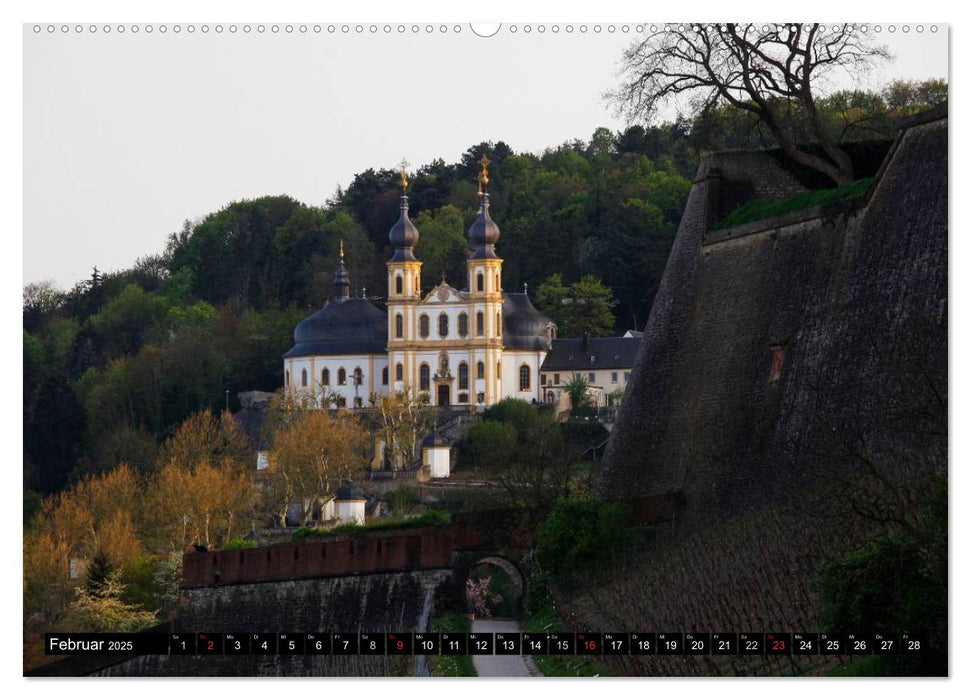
(126, 135)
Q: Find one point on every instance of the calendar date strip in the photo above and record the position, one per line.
(482, 643)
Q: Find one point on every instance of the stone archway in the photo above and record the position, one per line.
(512, 602)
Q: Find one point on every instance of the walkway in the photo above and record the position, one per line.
(500, 665)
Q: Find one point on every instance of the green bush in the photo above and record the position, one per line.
(488, 441)
(582, 534)
(239, 543)
(510, 411)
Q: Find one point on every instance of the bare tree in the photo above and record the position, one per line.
(767, 70)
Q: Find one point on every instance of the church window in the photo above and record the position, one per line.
(524, 378)
(399, 372)
(399, 326)
(384, 376)
(479, 324)
(480, 282)
(463, 324)
(398, 284)
(497, 281)
(417, 285)
(303, 377)
(288, 378)
(423, 325)
(424, 378)
(358, 402)
(480, 370)
(325, 377)
(498, 324)
(443, 325)
(463, 398)
(499, 371)
(341, 376)
(463, 376)
(358, 376)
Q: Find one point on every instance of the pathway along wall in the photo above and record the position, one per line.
(849, 303)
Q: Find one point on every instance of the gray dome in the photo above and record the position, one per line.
(483, 233)
(523, 326)
(403, 235)
(350, 492)
(343, 327)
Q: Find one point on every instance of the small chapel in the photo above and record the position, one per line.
(465, 347)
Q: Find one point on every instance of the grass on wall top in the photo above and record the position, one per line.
(766, 209)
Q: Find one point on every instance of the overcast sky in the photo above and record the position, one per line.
(128, 134)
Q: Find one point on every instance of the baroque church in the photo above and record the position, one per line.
(457, 347)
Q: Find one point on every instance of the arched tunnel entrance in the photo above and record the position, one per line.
(494, 587)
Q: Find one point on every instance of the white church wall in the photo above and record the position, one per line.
(512, 361)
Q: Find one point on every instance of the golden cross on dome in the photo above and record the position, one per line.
(342, 250)
(404, 174)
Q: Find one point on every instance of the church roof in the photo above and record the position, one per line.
(435, 439)
(343, 327)
(523, 326)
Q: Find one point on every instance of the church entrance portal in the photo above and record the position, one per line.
(443, 394)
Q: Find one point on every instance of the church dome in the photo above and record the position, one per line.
(350, 492)
(483, 233)
(403, 235)
(343, 327)
(523, 326)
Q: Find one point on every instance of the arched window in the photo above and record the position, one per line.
(443, 325)
(325, 377)
(287, 382)
(423, 325)
(358, 376)
(398, 284)
(384, 376)
(417, 285)
(497, 282)
(499, 371)
(524, 376)
(499, 323)
(463, 324)
(303, 377)
(399, 372)
(463, 376)
(479, 324)
(399, 326)
(480, 282)
(424, 378)
(480, 370)
(341, 376)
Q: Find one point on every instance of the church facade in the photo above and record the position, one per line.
(453, 347)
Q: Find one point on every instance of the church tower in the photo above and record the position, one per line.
(404, 293)
(485, 294)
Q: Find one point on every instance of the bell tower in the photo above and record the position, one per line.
(485, 291)
(404, 293)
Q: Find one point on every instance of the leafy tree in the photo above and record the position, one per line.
(442, 245)
(106, 611)
(404, 420)
(585, 307)
(313, 456)
(204, 436)
(765, 70)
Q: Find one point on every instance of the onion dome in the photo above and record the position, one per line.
(483, 233)
(404, 234)
(350, 492)
(523, 326)
(345, 326)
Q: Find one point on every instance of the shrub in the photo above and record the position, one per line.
(581, 535)
(239, 543)
(488, 441)
(510, 411)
